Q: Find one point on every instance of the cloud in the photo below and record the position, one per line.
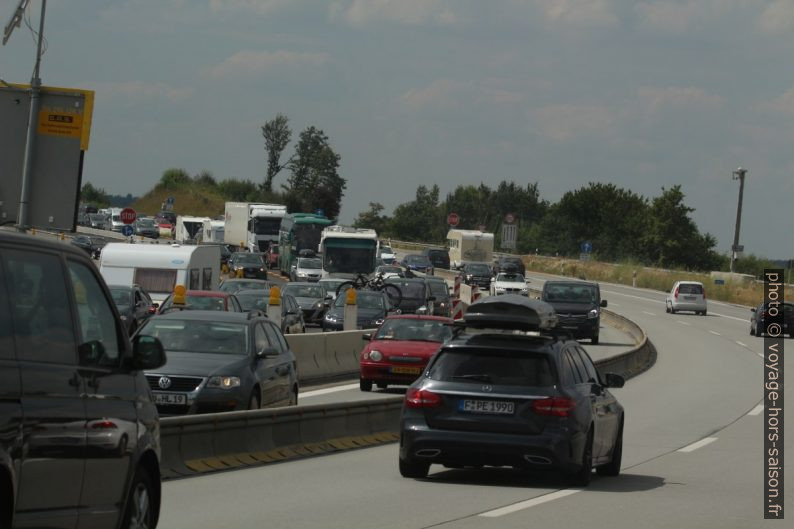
(780, 105)
(449, 93)
(565, 122)
(249, 62)
(654, 99)
(439, 93)
(261, 7)
(138, 90)
(579, 13)
(359, 13)
(674, 17)
(777, 17)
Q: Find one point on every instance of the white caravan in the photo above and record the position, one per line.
(158, 268)
(189, 229)
(469, 246)
(213, 230)
(347, 252)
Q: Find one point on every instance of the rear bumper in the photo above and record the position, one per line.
(686, 305)
(382, 373)
(581, 329)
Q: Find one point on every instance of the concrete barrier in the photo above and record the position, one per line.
(326, 355)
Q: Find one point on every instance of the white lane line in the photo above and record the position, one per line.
(326, 391)
(761, 355)
(633, 296)
(715, 333)
(526, 504)
(742, 344)
(757, 410)
(730, 317)
(649, 313)
(699, 444)
(682, 322)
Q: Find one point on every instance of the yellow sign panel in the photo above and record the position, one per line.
(58, 123)
(62, 130)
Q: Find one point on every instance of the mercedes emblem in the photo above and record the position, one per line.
(487, 387)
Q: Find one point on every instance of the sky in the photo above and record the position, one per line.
(642, 94)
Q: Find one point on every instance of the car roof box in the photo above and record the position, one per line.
(510, 312)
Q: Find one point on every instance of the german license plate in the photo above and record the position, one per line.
(494, 407)
(170, 398)
(400, 370)
(689, 298)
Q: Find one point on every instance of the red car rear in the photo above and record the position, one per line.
(401, 348)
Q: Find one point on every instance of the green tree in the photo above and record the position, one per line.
(174, 178)
(277, 136)
(94, 195)
(206, 180)
(420, 219)
(373, 219)
(234, 190)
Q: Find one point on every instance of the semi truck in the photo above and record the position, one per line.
(252, 226)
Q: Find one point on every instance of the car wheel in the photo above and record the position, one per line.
(583, 476)
(138, 514)
(413, 469)
(382, 385)
(613, 467)
(364, 384)
(667, 308)
(752, 331)
(253, 402)
(594, 340)
(303, 329)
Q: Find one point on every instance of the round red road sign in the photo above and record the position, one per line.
(510, 218)
(128, 215)
(453, 219)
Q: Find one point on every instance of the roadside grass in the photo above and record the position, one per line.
(199, 201)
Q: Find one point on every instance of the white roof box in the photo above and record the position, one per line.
(511, 312)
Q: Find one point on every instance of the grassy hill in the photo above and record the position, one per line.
(193, 200)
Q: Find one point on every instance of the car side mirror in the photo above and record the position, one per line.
(614, 381)
(152, 309)
(268, 352)
(603, 303)
(147, 353)
(752, 310)
(366, 336)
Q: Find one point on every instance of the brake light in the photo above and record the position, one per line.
(704, 293)
(676, 293)
(420, 398)
(556, 406)
(103, 425)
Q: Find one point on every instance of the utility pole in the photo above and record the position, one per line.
(35, 100)
(738, 174)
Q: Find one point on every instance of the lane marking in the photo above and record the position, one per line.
(326, 391)
(730, 317)
(682, 322)
(526, 504)
(649, 313)
(715, 333)
(699, 444)
(633, 296)
(757, 410)
(742, 344)
(761, 355)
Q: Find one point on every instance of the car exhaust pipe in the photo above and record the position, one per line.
(537, 460)
(427, 452)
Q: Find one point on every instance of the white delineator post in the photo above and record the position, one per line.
(456, 288)
(351, 311)
(274, 306)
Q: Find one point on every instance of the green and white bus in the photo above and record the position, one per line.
(299, 231)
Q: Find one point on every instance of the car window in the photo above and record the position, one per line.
(40, 307)
(6, 336)
(579, 372)
(261, 340)
(121, 296)
(592, 373)
(206, 279)
(199, 336)
(499, 368)
(273, 337)
(690, 288)
(568, 376)
(95, 320)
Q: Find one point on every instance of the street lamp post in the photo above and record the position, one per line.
(738, 174)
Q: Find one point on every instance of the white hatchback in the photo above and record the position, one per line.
(687, 295)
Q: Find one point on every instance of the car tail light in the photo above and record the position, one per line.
(556, 406)
(421, 398)
(676, 293)
(704, 293)
(103, 425)
(763, 315)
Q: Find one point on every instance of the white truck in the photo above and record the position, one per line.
(213, 230)
(469, 246)
(347, 252)
(189, 229)
(253, 225)
(158, 268)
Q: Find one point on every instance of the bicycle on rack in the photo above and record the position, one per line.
(378, 284)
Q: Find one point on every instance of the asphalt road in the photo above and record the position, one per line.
(704, 389)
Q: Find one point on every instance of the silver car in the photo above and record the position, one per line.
(687, 295)
(307, 269)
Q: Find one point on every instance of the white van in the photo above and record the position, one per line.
(113, 222)
(158, 268)
(469, 246)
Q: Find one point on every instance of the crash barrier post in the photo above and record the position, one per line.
(274, 306)
(475, 293)
(456, 288)
(458, 308)
(351, 311)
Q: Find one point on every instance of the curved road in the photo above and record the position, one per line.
(704, 389)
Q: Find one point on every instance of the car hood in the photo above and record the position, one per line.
(509, 284)
(404, 347)
(572, 308)
(363, 314)
(202, 364)
(307, 303)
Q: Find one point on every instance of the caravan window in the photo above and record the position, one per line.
(194, 279)
(155, 279)
(206, 283)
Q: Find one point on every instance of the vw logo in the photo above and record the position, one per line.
(164, 382)
(487, 388)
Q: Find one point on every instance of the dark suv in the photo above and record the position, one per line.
(438, 256)
(578, 306)
(80, 434)
(479, 274)
(492, 396)
(510, 263)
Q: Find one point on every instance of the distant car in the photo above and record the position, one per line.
(271, 256)
(147, 228)
(509, 283)
(578, 306)
(417, 263)
(387, 255)
(292, 321)
(527, 400)
(415, 294)
(479, 274)
(170, 216)
(387, 271)
(234, 284)
(248, 264)
(687, 295)
(760, 315)
(213, 300)
(220, 361)
(307, 269)
(134, 305)
(510, 263)
(442, 304)
(373, 308)
(166, 227)
(330, 285)
(439, 257)
(91, 245)
(97, 221)
(400, 349)
(311, 299)
(113, 222)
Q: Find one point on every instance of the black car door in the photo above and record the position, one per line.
(589, 397)
(265, 367)
(606, 407)
(10, 389)
(281, 363)
(52, 397)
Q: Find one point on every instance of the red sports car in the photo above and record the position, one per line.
(400, 349)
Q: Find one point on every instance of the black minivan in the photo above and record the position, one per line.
(438, 256)
(79, 433)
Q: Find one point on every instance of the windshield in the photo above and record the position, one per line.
(199, 336)
(494, 367)
(199, 303)
(304, 291)
(253, 300)
(313, 264)
(249, 258)
(414, 330)
(330, 285)
(438, 289)
(416, 259)
(511, 278)
(410, 289)
(479, 269)
(307, 236)
(234, 286)
(97, 218)
(266, 226)
(364, 300)
(386, 249)
(146, 223)
(121, 296)
(570, 293)
(349, 260)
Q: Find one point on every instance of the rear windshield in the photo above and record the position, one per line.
(305, 291)
(438, 289)
(438, 253)
(314, 264)
(493, 367)
(690, 288)
(570, 293)
(478, 269)
(410, 290)
(251, 258)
